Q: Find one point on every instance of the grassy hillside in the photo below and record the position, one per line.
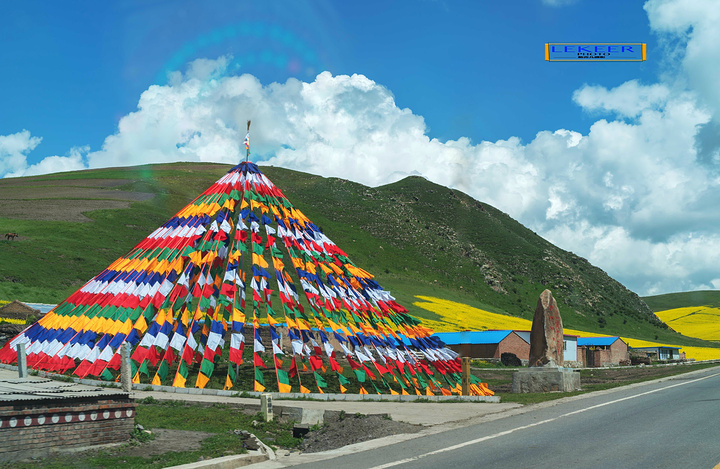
(417, 237)
(681, 300)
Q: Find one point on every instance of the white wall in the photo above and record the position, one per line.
(570, 353)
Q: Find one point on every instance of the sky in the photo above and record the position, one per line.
(616, 162)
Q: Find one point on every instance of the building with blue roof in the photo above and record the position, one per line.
(602, 351)
(486, 344)
(659, 352)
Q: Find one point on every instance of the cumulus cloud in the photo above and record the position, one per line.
(626, 100)
(637, 195)
(14, 149)
(55, 164)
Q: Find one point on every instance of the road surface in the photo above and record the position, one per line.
(670, 424)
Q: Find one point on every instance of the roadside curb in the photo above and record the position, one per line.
(262, 454)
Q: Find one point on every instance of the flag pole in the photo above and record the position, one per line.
(247, 143)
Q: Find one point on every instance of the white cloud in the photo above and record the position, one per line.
(55, 164)
(14, 149)
(627, 100)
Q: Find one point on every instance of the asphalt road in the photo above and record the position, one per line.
(670, 424)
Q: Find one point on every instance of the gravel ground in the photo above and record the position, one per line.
(343, 430)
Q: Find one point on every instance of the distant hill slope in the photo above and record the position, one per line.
(694, 314)
(417, 237)
(682, 300)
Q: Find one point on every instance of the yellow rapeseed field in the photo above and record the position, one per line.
(459, 317)
(12, 321)
(702, 322)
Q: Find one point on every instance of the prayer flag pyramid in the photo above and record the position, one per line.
(180, 294)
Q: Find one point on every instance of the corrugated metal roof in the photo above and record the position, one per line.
(596, 341)
(472, 337)
(35, 388)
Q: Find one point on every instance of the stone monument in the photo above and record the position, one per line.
(545, 372)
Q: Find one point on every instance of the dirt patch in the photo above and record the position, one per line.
(167, 441)
(56, 209)
(40, 181)
(64, 192)
(342, 430)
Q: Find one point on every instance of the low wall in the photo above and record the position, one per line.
(32, 429)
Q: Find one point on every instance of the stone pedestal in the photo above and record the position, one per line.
(546, 379)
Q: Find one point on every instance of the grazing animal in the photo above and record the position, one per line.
(11, 235)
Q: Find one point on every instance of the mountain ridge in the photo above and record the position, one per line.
(417, 237)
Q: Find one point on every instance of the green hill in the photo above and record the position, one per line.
(417, 237)
(683, 299)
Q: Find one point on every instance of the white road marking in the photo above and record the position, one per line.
(507, 432)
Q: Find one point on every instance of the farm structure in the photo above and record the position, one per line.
(486, 344)
(39, 416)
(18, 310)
(660, 352)
(602, 351)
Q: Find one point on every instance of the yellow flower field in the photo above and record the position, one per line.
(459, 317)
(702, 322)
(12, 321)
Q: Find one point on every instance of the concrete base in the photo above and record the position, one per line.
(545, 380)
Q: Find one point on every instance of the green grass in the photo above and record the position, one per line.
(682, 300)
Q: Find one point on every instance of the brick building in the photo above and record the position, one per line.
(486, 344)
(602, 351)
(39, 416)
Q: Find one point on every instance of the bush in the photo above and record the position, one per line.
(510, 359)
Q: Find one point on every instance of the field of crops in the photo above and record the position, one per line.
(702, 322)
(457, 317)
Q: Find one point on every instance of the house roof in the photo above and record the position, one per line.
(472, 337)
(18, 310)
(596, 341)
(656, 347)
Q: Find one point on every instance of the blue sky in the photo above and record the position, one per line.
(470, 68)
(617, 162)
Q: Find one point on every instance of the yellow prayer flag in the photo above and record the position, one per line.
(179, 381)
(228, 383)
(201, 381)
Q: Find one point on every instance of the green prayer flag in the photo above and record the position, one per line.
(144, 368)
(283, 377)
(106, 375)
(163, 369)
(343, 380)
(360, 374)
(259, 376)
(207, 367)
(320, 380)
(231, 372)
(183, 370)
